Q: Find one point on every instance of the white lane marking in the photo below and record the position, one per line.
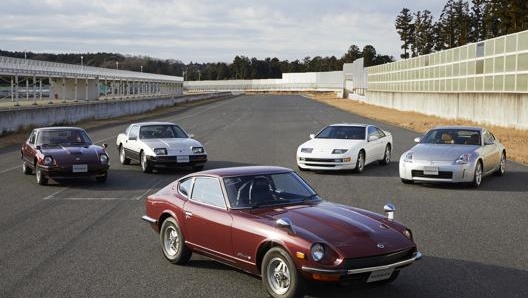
(147, 191)
(52, 196)
(99, 199)
(10, 169)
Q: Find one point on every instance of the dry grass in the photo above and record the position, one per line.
(515, 140)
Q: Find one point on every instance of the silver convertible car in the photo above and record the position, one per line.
(453, 154)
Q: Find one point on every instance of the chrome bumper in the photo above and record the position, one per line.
(416, 257)
(149, 219)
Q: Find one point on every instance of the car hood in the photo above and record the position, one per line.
(72, 154)
(350, 232)
(172, 143)
(435, 152)
(327, 145)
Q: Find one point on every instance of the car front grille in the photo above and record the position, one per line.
(395, 257)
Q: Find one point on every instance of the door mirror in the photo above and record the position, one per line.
(132, 138)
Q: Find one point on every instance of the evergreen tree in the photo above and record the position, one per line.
(405, 28)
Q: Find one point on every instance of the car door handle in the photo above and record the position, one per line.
(188, 214)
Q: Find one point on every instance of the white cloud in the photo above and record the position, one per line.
(205, 30)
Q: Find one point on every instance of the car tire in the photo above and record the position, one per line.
(173, 243)
(41, 178)
(122, 156)
(280, 276)
(360, 162)
(25, 169)
(102, 179)
(386, 156)
(502, 165)
(406, 181)
(477, 175)
(145, 165)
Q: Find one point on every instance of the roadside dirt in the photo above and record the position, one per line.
(515, 140)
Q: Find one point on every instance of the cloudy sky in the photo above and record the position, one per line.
(205, 30)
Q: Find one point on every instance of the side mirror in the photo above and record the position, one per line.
(417, 140)
(285, 223)
(132, 138)
(389, 209)
(105, 145)
(312, 136)
(191, 135)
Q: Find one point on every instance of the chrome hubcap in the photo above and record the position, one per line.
(478, 174)
(171, 241)
(279, 276)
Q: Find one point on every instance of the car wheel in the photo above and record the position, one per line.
(477, 176)
(25, 169)
(122, 156)
(406, 181)
(102, 179)
(145, 166)
(279, 275)
(360, 163)
(173, 243)
(387, 156)
(502, 165)
(41, 179)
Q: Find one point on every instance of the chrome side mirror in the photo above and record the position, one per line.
(389, 209)
(312, 135)
(285, 223)
(191, 135)
(417, 140)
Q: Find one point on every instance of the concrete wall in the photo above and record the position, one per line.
(24, 117)
(504, 109)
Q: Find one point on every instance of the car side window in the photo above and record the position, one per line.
(32, 138)
(488, 138)
(208, 190)
(134, 131)
(380, 132)
(184, 188)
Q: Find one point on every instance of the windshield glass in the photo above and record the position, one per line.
(342, 132)
(63, 137)
(452, 136)
(161, 131)
(268, 190)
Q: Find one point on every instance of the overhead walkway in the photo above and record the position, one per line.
(25, 80)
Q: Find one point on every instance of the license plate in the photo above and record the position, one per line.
(380, 275)
(80, 168)
(182, 158)
(428, 170)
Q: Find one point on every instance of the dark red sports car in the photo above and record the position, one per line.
(63, 152)
(268, 221)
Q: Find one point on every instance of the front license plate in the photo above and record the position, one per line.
(380, 275)
(182, 158)
(80, 168)
(428, 170)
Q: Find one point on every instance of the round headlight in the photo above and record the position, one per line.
(317, 252)
(103, 158)
(48, 160)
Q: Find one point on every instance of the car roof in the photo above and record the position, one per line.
(242, 171)
(459, 127)
(153, 123)
(350, 124)
(58, 128)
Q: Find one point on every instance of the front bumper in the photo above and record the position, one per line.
(326, 162)
(168, 161)
(363, 272)
(63, 172)
(448, 171)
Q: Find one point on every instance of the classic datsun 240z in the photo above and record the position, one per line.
(268, 221)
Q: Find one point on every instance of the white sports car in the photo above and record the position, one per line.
(345, 146)
(160, 145)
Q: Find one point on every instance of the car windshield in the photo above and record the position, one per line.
(162, 131)
(268, 190)
(63, 137)
(342, 132)
(452, 136)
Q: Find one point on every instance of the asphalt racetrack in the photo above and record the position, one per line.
(84, 239)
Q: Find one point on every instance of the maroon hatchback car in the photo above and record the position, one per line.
(268, 221)
(63, 152)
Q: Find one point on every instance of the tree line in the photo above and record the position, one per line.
(459, 23)
(242, 67)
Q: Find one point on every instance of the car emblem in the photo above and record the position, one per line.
(379, 245)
